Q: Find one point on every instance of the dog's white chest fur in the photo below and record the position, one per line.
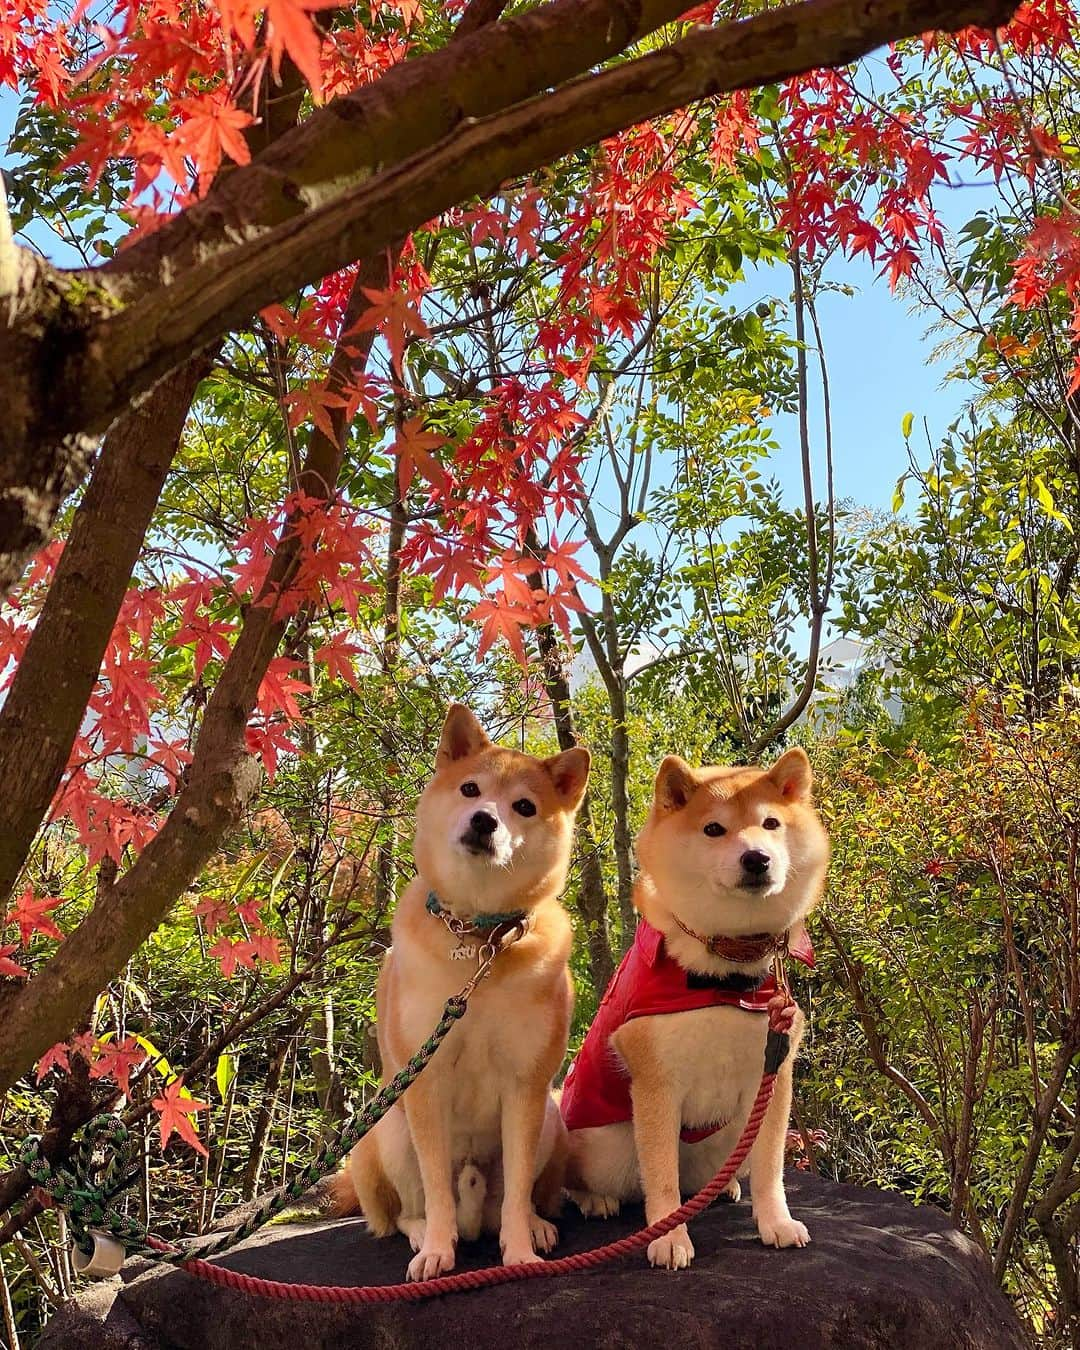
(712, 1058)
(485, 1055)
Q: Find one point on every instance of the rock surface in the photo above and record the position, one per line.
(878, 1273)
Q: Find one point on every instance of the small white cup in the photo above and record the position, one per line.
(105, 1260)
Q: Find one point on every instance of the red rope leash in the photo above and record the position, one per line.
(481, 1279)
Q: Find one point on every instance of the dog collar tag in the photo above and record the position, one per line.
(464, 951)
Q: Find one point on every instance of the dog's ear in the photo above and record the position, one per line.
(793, 775)
(462, 735)
(675, 784)
(570, 774)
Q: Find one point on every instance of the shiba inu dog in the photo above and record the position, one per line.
(732, 861)
(476, 1143)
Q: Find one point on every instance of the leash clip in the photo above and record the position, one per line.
(780, 969)
(496, 943)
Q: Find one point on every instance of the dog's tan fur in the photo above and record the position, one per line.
(477, 1142)
(694, 1068)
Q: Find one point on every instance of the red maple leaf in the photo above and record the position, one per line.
(177, 1110)
(117, 1062)
(899, 263)
(266, 947)
(560, 558)
(56, 1057)
(212, 912)
(306, 326)
(392, 313)
(248, 911)
(268, 742)
(412, 12)
(452, 569)
(501, 619)
(11, 969)
(412, 446)
(171, 757)
(211, 128)
(337, 656)
(32, 916)
(232, 954)
(276, 693)
(292, 30)
(312, 403)
(360, 395)
(210, 636)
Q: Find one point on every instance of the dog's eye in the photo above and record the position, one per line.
(470, 789)
(770, 823)
(714, 829)
(524, 807)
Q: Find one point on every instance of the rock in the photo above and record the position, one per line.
(879, 1273)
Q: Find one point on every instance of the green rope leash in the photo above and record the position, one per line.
(87, 1188)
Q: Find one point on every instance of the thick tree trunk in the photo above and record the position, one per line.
(33, 487)
(46, 703)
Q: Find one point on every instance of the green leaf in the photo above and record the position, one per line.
(1044, 496)
(158, 1062)
(906, 424)
(225, 1073)
(1045, 499)
(275, 880)
(1014, 553)
(249, 873)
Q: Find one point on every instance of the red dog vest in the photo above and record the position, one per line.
(648, 983)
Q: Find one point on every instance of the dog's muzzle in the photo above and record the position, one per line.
(480, 836)
(755, 870)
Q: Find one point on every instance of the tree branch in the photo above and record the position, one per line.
(310, 204)
(32, 492)
(818, 592)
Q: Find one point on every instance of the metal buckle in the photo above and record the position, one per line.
(779, 971)
(497, 942)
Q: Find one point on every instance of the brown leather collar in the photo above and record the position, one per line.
(754, 947)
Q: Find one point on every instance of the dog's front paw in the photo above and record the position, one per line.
(674, 1251)
(431, 1261)
(414, 1230)
(732, 1191)
(595, 1206)
(514, 1254)
(544, 1234)
(782, 1231)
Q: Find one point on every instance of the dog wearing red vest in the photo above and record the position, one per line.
(732, 860)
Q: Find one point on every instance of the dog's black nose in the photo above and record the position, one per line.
(483, 822)
(754, 861)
